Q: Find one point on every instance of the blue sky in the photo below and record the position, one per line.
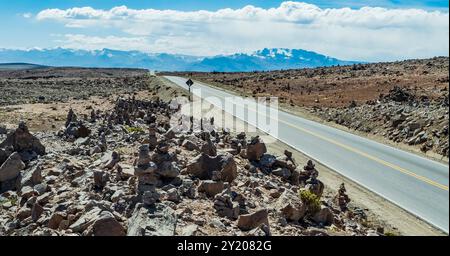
(9, 7)
(395, 32)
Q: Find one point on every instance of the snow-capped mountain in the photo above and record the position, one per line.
(266, 59)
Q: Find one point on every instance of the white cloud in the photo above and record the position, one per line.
(27, 15)
(363, 34)
(77, 41)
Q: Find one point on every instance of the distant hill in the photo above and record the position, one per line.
(263, 60)
(19, 66)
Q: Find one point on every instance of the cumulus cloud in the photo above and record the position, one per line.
(367, 33)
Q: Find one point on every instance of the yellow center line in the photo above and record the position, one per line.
(359, 152)
(393, 166)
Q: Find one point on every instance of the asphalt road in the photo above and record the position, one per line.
(416, 184)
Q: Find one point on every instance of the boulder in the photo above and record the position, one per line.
(22, 141)
(211, 188)
(86, 220)
(107, 225)
(168, 170)
(157, 220)
(221, 167)
(11, 168)
(56, 219)
(255, 149)
(290, 206)
(253, 220)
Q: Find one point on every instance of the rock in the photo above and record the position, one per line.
(36, 212)
(86, 220)
(149, 168)
(56, 219)
(170, 134)
(225, 207)
(168, 170)
(77, 130)
(267, 161)
(107, 225)
(290, 206)
(251, 221)
(82, 141)
(208, 146)
(159, 220)
(40, 188)
(11, 168)
(32, 176)
(324, 216)
(397, 120)
(189, 145)
(23, 213)
(125, 171)
(144, 165)
(187, 188)
(22, 141)
(100, 179)
(263, 230)
(221, 167)
(255, 149)
(162, 147)
(27, 192)
(211, 188)
(43, 199)
(113, 159)
(150, 197)
(282, 172)
(173, 195)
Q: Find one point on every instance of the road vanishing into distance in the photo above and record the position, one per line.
(414, 183)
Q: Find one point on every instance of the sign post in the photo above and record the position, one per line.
(189, 84)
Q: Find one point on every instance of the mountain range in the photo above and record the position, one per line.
(262, 60)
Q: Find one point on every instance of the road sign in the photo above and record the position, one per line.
(189, 82)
